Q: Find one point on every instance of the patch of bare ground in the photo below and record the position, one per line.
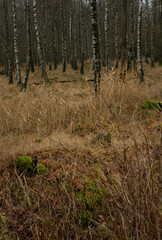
(103, 156)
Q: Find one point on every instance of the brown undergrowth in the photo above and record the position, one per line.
(102, 154)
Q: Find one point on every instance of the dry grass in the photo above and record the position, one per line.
(64, 124)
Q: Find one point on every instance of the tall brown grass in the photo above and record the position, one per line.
(60, 124)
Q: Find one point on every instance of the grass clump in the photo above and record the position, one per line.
(151, 104)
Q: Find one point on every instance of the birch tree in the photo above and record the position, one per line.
(146, 31)
(124, 40)
(139, 54)
(16, 51)
(28, 52)
(55, 42)
(7, 41)
(160, 20)
(50, 32)
(107, 36)
(116, 33)
(153, 33)
(63, 33)
(42, 63)
(132, 35)
(82, 37)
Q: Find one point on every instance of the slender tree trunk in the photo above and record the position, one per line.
(96, 51)
(27, 19)
(16, 42)
(82, 37)
(133, 51)
(160, 46)
(55, 42)
(50, 33)
(31, 57)
(116, 33)
(139, 54)
(146, 32)
(44, 30)
(129, 37)
(124, 40)
(7, 42)
(100, 32)
(71, 37)
(107, 36)
(75, 36)
(63, 32)
(41, 60)
(153, 35)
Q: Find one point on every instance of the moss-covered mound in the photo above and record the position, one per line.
(91, 197)
(41, 169)
(26, 166)
(151, 104)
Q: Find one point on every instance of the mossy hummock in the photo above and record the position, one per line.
(151, 104)
(26, 166)
(41, 169)
(91, 196)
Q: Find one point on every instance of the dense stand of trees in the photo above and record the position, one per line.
(48, 32)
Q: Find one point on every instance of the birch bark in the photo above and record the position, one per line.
(7, 41)
(139, 54)
(16, 51)
(41, 60)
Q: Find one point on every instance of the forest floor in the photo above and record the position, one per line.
(102, 155)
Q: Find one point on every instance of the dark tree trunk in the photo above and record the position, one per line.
(96, 51)
(82, 37)
(139, 54)
(7, 41)
(124, 40)
(27, 19)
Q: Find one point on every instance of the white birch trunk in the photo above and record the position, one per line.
(42, 63)
(7, 41)
(16, 51)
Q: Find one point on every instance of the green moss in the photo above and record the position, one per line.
(25, 165)
(41, 169)
(151, 104)
(86, 217)
(91, 196)
(79, 195)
